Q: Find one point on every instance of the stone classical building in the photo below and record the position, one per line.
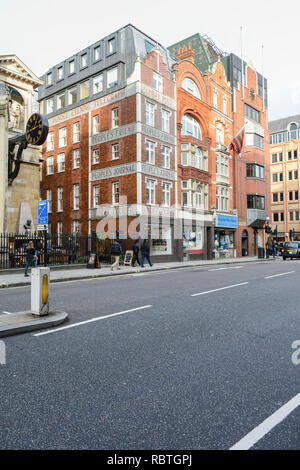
(285, 181)
(18, 198)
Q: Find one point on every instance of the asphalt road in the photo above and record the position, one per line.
(187, 359)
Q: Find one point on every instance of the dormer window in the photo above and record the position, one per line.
(83, 61)
(111, 46)
(293, 130)
(49, 80)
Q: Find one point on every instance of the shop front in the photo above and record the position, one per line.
(225, 237)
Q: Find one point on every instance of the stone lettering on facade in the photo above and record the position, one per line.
(99, 103)
(157, 134)
(113, 172)
(113, 134)
(157, 96)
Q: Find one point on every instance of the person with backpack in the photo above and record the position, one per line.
(136, 250)
(116, 251)
(145, 249)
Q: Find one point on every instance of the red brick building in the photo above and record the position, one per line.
(112, 140)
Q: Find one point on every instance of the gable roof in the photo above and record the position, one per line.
(12, 66)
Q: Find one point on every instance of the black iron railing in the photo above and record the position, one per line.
(62, 249)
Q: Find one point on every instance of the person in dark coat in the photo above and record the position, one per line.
(145, 249)
(136, 250)
(30, 255)
(116, 251)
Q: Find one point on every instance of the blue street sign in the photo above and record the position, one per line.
(42, 212)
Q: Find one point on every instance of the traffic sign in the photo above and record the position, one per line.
(42, 228)
(42, 212)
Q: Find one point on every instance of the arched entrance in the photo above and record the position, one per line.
(245, 243)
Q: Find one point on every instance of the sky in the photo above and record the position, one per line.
(43, 33)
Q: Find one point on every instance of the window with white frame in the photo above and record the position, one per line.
(150, 152)
(50, 105)
(222, 198)
(191, 87)
(165, 116)
(50, 141)
(184, 154)
(61, 162)
(98, 84)
(220, 134)
(198, 196)
(49, 80)
(83, 60)
(190, 127)
(112, 77)
(60, 73)
(49, 199)
(50, 166)
(76, 158)
(115, 151)
(76, 196)
(72, 96)
(166, 152)
(96, 156)
(75, 226)
(84, 89)
(166, 189)
(115, 192)
(198, 158)
(224, 105)
(60, 201)
(71, 66)
(76, 132)
(206, 196)
(97, 53)
(150, 190)
(149, 114)
(61, 101)
(215, 99)
(96, 195)
(59, 233)
(184, 198)
(111, 46)
(62, 137)
(96, 121)
(157, 82)
(115, 118)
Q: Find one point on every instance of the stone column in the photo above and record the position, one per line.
(3, 155)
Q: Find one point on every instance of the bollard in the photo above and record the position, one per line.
(40, 278)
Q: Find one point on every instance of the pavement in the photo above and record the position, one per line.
(22, 322)
(12, 278)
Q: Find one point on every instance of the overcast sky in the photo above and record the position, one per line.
(43, 33)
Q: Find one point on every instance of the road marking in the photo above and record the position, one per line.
(7, 313)
(277, 275)
(223, 269)
(93, 320)
(217, 290)
(260, 431)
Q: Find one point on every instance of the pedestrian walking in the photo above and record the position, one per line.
(30, 257)
(136, 251)
(274, 249)
(116, 251)
(145, 249)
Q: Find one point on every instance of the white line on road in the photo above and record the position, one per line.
(260, 431)
(222, 288)
(92, 320)
(223, 269)
(7, 313)
(277, 275)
